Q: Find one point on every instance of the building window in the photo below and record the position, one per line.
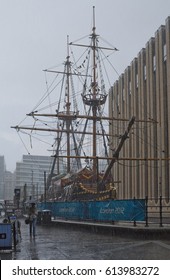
(123, 93)
(130, 88)
(164, 52)
(154, 63)
(118, 103)
(144, 72)
(137, 80)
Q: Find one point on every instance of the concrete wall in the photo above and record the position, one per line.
(143, 90)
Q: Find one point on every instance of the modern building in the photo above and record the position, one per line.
(30, 174)
(9, 185)
(6, 181)
(2, 173)
(143, 91)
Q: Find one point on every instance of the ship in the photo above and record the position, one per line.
(82, 153)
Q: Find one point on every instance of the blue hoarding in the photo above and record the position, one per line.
(111, 210)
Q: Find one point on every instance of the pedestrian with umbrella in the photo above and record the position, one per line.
(32, 219)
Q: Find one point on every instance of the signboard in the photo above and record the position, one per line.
(17, 193)
(5, 236)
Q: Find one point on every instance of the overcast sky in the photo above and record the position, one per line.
(33, 37)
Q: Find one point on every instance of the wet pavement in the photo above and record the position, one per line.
(57, 242)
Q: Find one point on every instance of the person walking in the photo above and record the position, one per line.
(33, 219)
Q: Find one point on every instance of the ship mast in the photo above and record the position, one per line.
(94, 99)
(65, 116)
(68, 120)
(94, 89)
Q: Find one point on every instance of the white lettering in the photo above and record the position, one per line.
(116, 210)
(67, 210)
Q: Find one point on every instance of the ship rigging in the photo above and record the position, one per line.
(82, 162)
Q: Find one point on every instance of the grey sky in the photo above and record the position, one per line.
(33, 37)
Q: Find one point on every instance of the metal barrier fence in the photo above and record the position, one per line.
(157, 213)
(134, 210)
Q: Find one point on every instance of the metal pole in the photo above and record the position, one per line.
(14, 234)
(146, 211)
(160, 212)
(134, 221)
(45, 187)
(37, 193)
